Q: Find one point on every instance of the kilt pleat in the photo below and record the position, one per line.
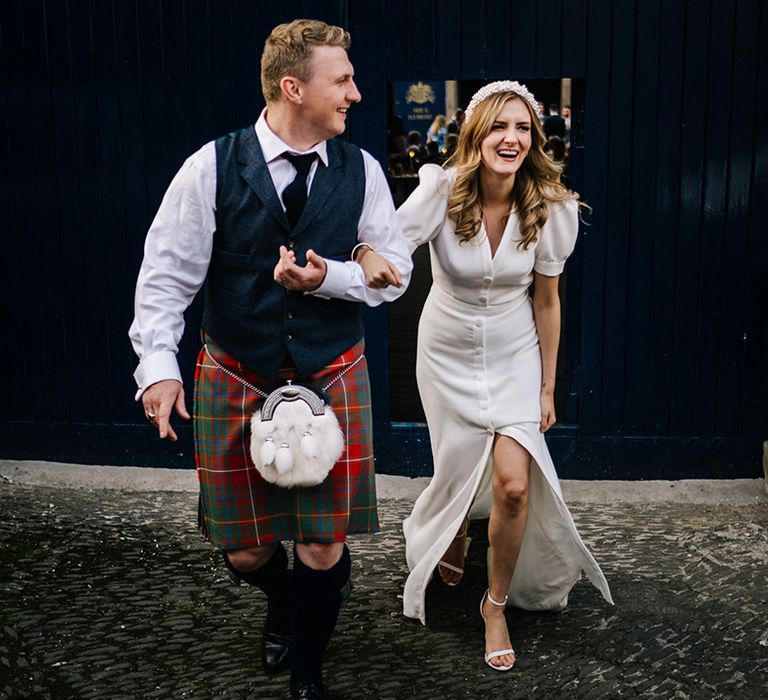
(238, 508)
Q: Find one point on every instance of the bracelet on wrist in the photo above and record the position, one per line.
(359, 247)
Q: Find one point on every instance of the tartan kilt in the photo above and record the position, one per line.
(238, 508)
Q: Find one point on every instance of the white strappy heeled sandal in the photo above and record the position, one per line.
(452, 567)
(495, 654)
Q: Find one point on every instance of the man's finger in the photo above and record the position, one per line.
(181, 407)
(314, 259)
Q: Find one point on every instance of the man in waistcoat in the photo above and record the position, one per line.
(271, 219)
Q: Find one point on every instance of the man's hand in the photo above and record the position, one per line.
(296, 278)
(158, 401)
(379, 272)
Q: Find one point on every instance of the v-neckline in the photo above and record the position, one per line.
(493, 255)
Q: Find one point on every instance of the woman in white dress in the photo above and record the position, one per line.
(497, 219)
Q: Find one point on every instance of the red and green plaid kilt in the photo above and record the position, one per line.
(238, 508)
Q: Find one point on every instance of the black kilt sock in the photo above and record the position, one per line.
(317, 601)
(272, 578)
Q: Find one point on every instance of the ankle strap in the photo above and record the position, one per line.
(496, 603)
(464, 529)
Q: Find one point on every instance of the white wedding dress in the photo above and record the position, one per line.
(479, 372)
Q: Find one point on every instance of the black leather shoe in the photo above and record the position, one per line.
(275, 653)
(308, 690)
(275, 647)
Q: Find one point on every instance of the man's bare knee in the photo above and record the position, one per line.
(251, 558)
(320, 555)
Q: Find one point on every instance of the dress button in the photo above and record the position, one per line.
(478, 322)
(487, 281)
(289, 315)
(483, 299)
(291, 244)
(289, 337)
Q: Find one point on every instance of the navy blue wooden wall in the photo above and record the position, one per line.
(666, 336)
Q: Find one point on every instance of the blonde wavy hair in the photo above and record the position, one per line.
(288, 50)
(537, 182)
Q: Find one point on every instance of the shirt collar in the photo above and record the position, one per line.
(273, 147)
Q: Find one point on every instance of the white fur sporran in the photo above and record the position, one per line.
(295, 438)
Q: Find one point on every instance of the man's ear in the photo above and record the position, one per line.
(291, 89)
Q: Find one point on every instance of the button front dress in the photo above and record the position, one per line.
(478, 369)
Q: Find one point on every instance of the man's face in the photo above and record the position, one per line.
(328, 93)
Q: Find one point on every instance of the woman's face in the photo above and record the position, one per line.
(509, 141)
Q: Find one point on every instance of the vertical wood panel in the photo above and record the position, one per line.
(88, 226)
(712, 230)
(574, 38)
(246, 54)
(497, 47)
(473, 40)
(617, 211)
(641, 276)
(548, 39)
(692, 149)
(13, 175)
(39, 217)
(523, 39)
(423, 39)
(112, 227)
(741, 102)
(755, 377)
(596, 111)
(666, 232)
(223, 87)
(70, 262)
(447, 22)
(399, 40)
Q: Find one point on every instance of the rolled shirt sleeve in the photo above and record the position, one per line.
(380, 228)
(177, 253)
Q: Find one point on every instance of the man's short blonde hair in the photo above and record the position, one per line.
(288, 49)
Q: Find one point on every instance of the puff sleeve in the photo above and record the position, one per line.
(558, 238)
(423, 213)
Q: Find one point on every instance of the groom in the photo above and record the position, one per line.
(272, 219)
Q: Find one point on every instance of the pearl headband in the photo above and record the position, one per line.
(502, 86)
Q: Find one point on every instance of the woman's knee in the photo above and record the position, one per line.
(512, 494)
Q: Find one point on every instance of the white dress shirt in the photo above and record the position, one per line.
(177, 250)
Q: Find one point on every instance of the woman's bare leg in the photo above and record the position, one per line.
(506, 528)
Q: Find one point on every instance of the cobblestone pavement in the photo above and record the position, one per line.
(108, 594)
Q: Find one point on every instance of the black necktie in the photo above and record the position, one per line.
(295, 195)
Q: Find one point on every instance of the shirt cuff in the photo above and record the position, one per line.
(155, 368)
(549, 269)
(338, 279)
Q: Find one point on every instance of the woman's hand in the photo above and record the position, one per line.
(379, 272)
(547, 402)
